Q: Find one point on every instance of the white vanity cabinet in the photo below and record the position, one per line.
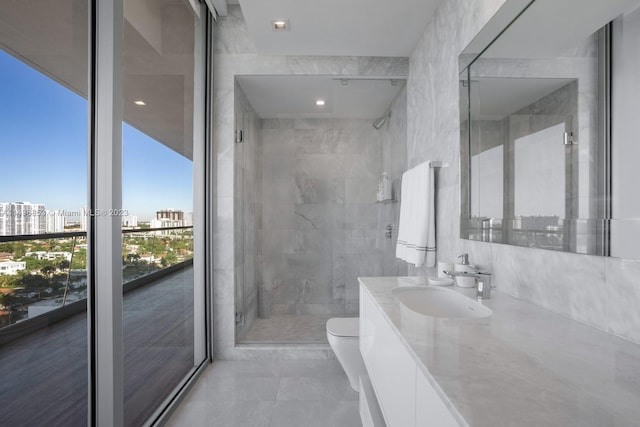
(430, 410)
(404, 394)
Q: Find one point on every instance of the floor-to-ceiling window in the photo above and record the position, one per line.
(43, 192)
(61, 80)
(160, 62)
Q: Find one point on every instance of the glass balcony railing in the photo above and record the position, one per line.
(40, 274)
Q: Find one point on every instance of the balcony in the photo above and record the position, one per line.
(43, 359)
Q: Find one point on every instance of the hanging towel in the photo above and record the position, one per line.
(416, 232)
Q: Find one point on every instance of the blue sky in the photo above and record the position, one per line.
(43, 150)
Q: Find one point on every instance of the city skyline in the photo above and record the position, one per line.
(43, 141)
(24, 218)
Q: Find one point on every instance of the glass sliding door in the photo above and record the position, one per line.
(162, 60)
(102, 240)
(43, 195)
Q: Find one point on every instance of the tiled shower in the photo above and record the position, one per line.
(308, 222)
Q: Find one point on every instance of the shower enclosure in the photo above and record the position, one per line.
(306, 219)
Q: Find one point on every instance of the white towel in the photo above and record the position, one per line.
(416, 231)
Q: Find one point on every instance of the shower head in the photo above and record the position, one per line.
(381, 121)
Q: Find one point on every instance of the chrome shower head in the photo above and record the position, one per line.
(381, 121)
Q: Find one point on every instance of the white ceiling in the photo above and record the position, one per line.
(338, 27)
(295, 96)
(158, 58)
(547, 28)
(500, 97)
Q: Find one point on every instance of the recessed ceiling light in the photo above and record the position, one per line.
(320, 102)
(280, 24)
(139, 102)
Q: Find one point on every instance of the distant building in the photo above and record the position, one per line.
(150, 258)
(49, 256)
(10, 268)
(130, 221)
(188, 219)
(22, 218)
(84, 214)
(165, 223)
(170, 214)
(55, 222)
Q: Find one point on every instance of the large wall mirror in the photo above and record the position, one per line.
(547, 98)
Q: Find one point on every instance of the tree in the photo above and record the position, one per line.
(48, 270)
(132, 258)
(79, 260)
(170, 258)
(7, 247)
(7, 281)
(7, 300)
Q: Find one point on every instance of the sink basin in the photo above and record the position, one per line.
(438, 302)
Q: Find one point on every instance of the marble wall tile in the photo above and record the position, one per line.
(601, 292)
(278, 124)
(328, 166)
(235, 55)
(368, 166)
(390, 66)
(231, 35)
(316, 216)
(360, 215)
(361, 191)
(321, 231)
(343, 65)
(623, 298)
(224, 256)
(316, 141)
(317, 190)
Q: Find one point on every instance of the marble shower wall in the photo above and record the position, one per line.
(602, 292)
(236, 55)
(394, 162)
(320, 220)
(247, 201)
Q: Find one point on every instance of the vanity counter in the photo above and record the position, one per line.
(522, 366)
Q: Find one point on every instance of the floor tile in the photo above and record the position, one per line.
(315, 414)
(331, 387)
(272, 393)
(243, 388)
(310, 368)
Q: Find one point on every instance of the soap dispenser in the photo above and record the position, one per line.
(464, 266)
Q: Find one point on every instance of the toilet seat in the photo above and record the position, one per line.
(344, 326)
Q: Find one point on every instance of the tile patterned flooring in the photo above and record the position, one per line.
(288, 328)
(270, 393)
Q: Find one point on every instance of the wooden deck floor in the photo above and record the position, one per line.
(43, 376)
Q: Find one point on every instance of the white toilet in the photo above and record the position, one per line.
(343, 334)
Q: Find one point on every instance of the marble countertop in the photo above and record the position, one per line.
(522, 366)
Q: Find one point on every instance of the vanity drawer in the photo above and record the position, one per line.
(391, 369)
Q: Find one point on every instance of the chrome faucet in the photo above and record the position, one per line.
(483, 281)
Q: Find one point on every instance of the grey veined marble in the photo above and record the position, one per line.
(523, 366)
(289, 200)
(598, 291)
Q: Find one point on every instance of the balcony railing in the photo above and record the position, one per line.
(52, 285)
